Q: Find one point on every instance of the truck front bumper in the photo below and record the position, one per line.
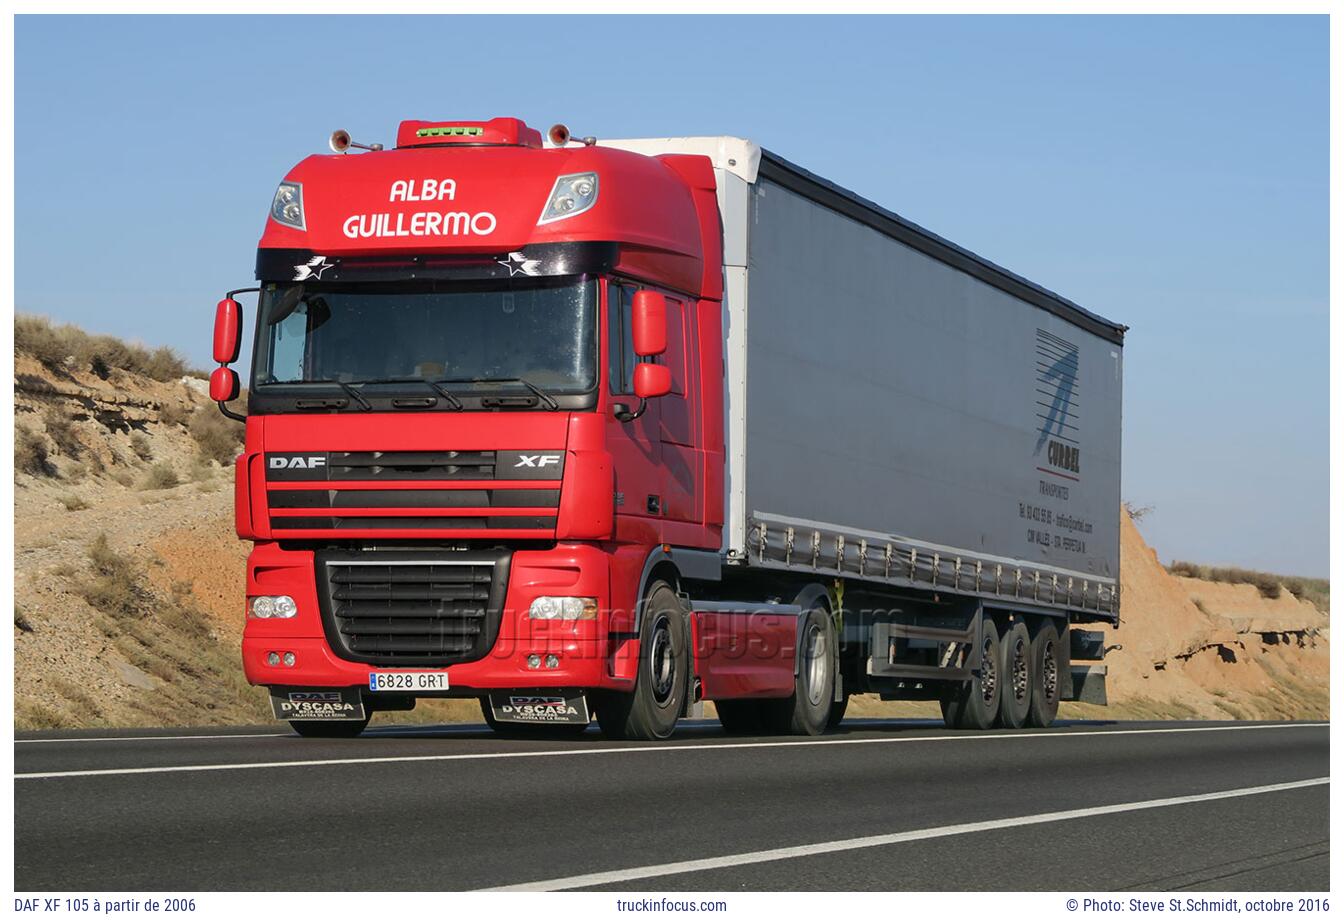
(518, 658)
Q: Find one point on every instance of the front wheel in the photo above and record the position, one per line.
(650, 713)
(329, 728)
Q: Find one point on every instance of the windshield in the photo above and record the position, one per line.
(541, 335)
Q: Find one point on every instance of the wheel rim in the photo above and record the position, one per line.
(1021, 675)
(1049, 671)
(989, 673)
(817, 661)
(662, 661)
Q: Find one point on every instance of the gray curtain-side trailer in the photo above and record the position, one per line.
(903, 414)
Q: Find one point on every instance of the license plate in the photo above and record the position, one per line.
(564, 707)
(408, 681)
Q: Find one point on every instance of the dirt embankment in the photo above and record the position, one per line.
(143, 628)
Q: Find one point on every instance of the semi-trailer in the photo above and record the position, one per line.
(611, 428)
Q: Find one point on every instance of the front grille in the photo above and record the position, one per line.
(411, 608)
(454, 492)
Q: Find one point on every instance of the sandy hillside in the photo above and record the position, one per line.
(129, 579)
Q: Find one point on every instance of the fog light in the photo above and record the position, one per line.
(289, 659)
(273, 659)
(563, 608)
(534, 661)
(552, 661)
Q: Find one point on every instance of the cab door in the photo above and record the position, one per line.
(636, 446)
(683, 466)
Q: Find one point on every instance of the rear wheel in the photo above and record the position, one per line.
(740, 717)
(1015, 699)
(527, 729)
(1045, 677)
(651, 712)
(837, 713)
(329, 728)
(975, 703)
(809, 709)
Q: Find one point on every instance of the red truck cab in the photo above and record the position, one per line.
(486, 400)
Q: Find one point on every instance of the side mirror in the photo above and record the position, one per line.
(652, 380)
(648, 324)
(223, 384)
(228, 330)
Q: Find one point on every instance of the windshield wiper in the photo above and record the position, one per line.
(434, 385)
(351, 392)
(537, 391)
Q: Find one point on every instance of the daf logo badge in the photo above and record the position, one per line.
(296, 463)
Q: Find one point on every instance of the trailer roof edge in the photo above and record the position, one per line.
(808, 184)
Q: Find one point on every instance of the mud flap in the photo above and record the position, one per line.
(540, 707)
(317, 704)
(1088, 684)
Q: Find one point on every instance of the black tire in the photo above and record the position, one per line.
(1015, 698)
(525, 730)
(808, 710)
(740, 717)
(1045, 676)
(650, 713)
(974, 704)
(329, 728)
(837, 714)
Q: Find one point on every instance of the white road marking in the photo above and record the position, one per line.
(148, 738)
(882, 840)
(652, 749)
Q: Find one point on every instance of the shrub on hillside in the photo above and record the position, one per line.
(30, 453)
(140, 445)
(117, 586)
(62, 433)
(160, 476)
(217, 438)
(1270, 586)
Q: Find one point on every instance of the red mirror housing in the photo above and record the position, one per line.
(652, 380)
(649, 324)
(228, 330)
(223, 384)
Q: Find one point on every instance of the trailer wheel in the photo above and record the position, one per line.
(740, 717)
(975, 703)
(809, 709)
(1015, 698)
(526, 730)
(329, 728)
(651, 712)
(1045, 677)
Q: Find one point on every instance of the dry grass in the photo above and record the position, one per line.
(141, 447)
(1315, 591)
(30, 453)
(61, 430)
(217, 438)
(117, 587)
(160, 476)
(73, 502)
(60, 347)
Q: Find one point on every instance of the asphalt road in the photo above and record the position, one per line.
(882, 805)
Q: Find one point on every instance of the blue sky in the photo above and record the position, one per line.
(1167, 172)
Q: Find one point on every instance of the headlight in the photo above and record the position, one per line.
(287, 206)
(571, 195)
(266, 607)
(563, 608)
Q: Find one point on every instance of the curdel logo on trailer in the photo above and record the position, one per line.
(1057, 406)
(432, 220)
